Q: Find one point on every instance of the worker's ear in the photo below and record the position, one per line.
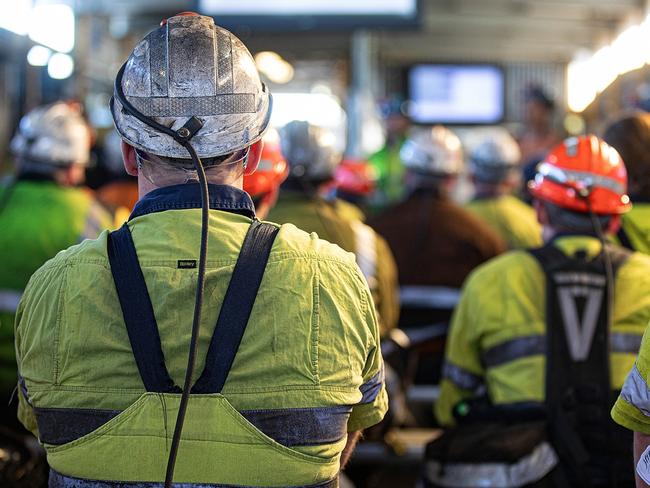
(614, 224)
(542, 214)
(130, 161)
(254, 155)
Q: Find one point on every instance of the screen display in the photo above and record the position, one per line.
(456, 94)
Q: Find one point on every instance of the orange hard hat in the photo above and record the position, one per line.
(271, 171)
(582, 174)
(355, 176)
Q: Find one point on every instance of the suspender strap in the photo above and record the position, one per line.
(138, 312)
(624, 239)
(237, 306)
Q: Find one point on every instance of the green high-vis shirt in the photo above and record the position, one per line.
(511, 218)
(636, 228)
(502, 309)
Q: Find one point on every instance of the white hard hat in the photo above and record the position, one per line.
(495, 157)
(190, 67)
(435, 151)
(56, 135)
(312, 151)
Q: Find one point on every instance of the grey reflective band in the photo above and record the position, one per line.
(60, 425)
(635, 391)
(365, 249)
(234, 103)
(371, 388)
(535, 345)
(301, 426)
(429, 296)
(528, 469)
(514, 349)
(461, 377)
(580, 330)
(586, 178)
(9, 300)
(58, 480)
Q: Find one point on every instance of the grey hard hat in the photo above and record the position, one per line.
(495, 158)
(435, 151)
(54, 135)
(312, 151)
(191, 67)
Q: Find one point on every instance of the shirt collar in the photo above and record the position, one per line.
(178, 197)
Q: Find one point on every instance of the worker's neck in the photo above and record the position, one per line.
(485, 191)
(146, 186)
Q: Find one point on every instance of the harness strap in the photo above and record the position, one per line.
(138, 312)
(237, 306)
(624, 239)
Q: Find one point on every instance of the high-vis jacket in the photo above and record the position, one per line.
(101, 389)
(37, 220)
(635, 229)
(334, 222)
(497, 337)
(511, 218)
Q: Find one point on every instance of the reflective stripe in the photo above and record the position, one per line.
(60, 425)
(461, 377)
(301, 426)
(365, 249)
(535, 345)
(428, 296)
(528, 469)
(9, 300)
(371, 388)
(587, 178)
(58, 480)
(635, 391)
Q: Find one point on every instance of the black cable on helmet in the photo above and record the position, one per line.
(182, 136)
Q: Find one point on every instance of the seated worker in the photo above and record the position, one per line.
(268, 313)
(630, 136)
(435, 241)
(263, 185)
(313, 158)
(494, 168)
(550, 333)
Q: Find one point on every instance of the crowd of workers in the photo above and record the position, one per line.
(276, 379)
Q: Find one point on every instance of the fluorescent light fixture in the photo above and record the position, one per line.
(53, 26)
(38, 56)
(17, 17)
(60, 66)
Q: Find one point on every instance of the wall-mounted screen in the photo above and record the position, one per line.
(456, 94)
(310, 14)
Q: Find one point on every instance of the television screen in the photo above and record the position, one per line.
(456, 94)
(310, 14)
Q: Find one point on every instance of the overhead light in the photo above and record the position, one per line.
(274, 67)
(60, 66)
(315, 108)
(38, 56)
(16, 19)
(53, 26)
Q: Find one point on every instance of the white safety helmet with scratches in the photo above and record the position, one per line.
(312, 151)
(435, 151)
(494, 158)
(190, 67)
(53, 135)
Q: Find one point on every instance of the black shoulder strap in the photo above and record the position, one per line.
(237, 306)
(550, 256)
(138, 312)
(624, 239)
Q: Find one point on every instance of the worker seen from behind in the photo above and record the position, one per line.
(197, 345)
(313, 153)
(354, 182)
(542, 339)
(436, 243)
(43, 210)
(495, 172)
(630, 136)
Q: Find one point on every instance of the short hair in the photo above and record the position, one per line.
(563, 219)
(630, 136)
(183, 162)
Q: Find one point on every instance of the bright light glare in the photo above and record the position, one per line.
(60, 66)
(315, 108)
(591, 75)
(16, 18)
(53, 26)
(38, 56)
(274, 67)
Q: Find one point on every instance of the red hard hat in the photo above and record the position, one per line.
(582, 173)
(355, 176)
(271, 171)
